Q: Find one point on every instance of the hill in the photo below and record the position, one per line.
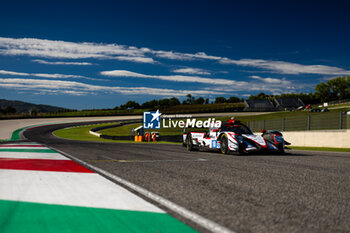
(24, 107)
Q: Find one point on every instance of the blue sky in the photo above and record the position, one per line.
(99, 54)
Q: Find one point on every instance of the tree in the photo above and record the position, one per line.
(207, 101)
(10, 110)
(150, 104)
(234, 99)
(200, 100)
(323, 92)
(339, 88)
(219, 100)
(130, 105)
(259, 96)
(33, 111)
(174, 101)
(334, 89)
(190, 99)
(164, 103)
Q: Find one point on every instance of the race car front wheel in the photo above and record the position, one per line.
(224, 144)
(189, 144)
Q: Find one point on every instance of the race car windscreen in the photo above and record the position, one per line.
(238, 129)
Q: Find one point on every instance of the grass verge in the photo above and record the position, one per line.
(296, 120)
(332, 149)
(81, 133)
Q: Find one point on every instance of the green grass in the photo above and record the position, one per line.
(338, 105)
(333, 149)
(125, 130)
(82, 133)
(297, 121)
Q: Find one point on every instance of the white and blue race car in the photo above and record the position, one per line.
(233, 137)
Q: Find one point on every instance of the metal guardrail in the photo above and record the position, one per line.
(313, 121)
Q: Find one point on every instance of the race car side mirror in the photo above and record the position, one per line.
(263, 131)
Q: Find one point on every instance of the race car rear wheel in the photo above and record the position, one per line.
(189, 143)
(224, 144)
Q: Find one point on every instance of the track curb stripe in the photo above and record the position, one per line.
(21, 146)
(43, 218)
(42, 165)
(28, 155)
(49, 192)
(193, 217)
(27, 150)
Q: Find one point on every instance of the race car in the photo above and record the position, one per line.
(233, 137)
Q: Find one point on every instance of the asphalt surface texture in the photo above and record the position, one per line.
(297, 192)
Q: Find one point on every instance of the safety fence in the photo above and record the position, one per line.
(312, 121)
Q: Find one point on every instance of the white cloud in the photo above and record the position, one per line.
(5, 72)
(183, 56)
(172, 55)
(62, 63)
(191, 71)
(60, 92)
(282, 67)
(78, 50)
(223, 86)
(174, 78)
(71, 50)
(271, 80)
(135, 59)
(78, 88)
(269, 85)
(74, 50)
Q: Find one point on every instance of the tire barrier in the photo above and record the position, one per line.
(163, 138)
(123, 138)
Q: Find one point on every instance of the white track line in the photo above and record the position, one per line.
(201, 221)
(22, 148)
(146, 161)
(31, 155)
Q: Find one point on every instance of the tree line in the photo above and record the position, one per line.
(8, 110)
(169, 102)
(332, 90)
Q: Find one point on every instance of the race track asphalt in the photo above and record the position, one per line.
(298, 192)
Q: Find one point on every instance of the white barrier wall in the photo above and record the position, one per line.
(319, 138)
